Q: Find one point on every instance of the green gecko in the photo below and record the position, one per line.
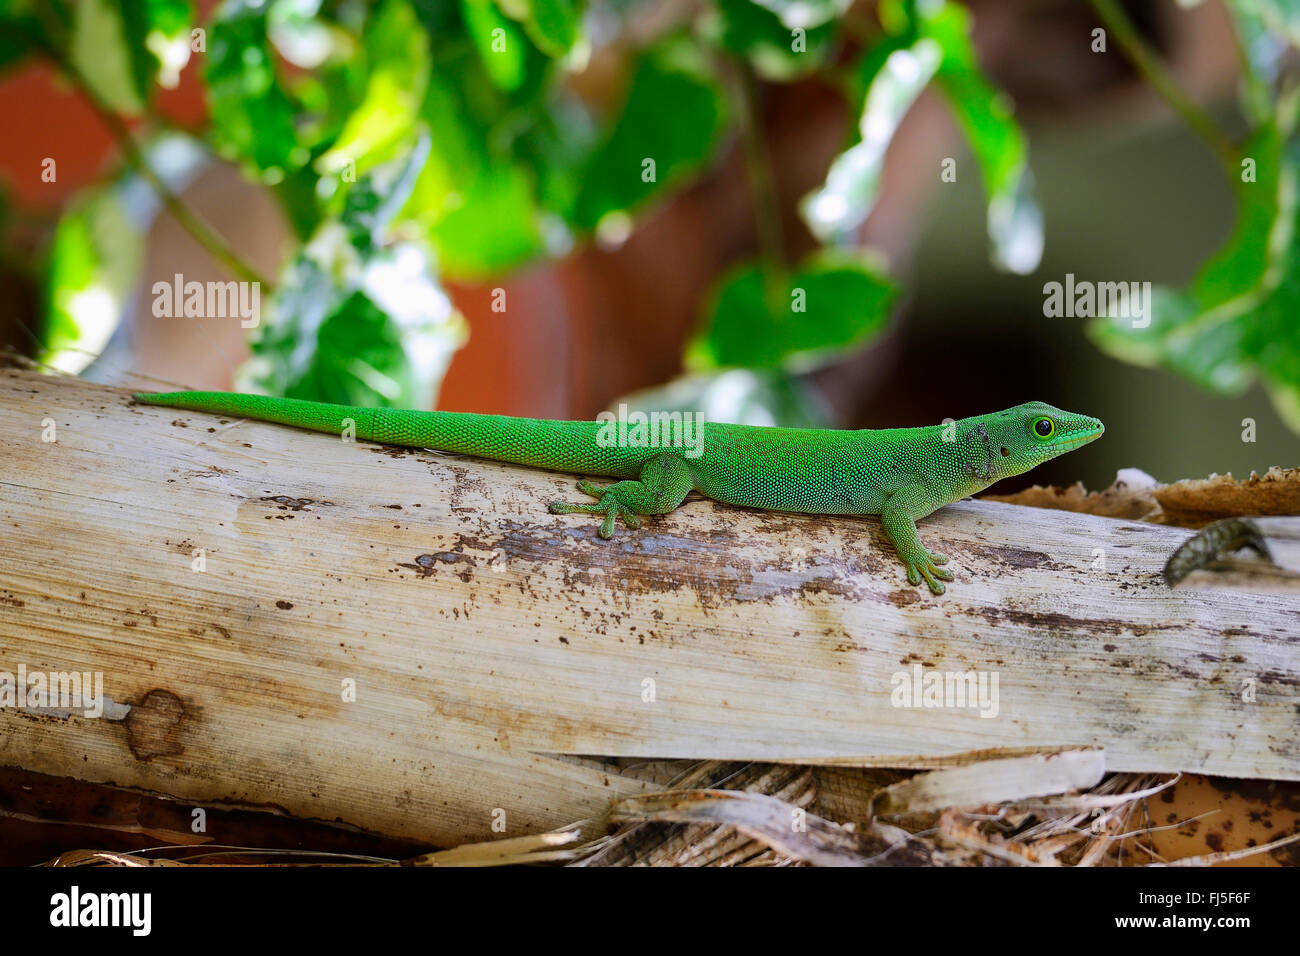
(900, 474)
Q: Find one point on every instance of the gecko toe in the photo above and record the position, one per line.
(930, 572)
(590, 488)
(609, 507)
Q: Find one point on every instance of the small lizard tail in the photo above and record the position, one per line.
(537, 443)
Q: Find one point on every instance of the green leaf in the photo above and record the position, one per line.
(375, 201)
(896, 75)
(100, 51)
(500, 43)
(457, 155)
(397, 52)
(358, 318)
(1236, 322)
(300, 202)
(1262, 51)
(477, 209)
(355, 354)
(1015, 223)
(764, 319)
(326, 98)
(552, 25)
(94, 264)
(667, 128)
(493, 229)
(776, 51)
(556, 149)
(494, 153)
(1244, 260)
(21, 32)
(252, 116)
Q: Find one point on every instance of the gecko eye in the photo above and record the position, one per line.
(1044, 427)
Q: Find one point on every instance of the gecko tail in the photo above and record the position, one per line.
(538, 443)
(297, 412)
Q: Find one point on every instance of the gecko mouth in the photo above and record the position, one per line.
(1081, 438)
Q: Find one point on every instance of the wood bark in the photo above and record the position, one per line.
(232, 580)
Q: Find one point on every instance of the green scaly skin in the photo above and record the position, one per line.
(901, 474)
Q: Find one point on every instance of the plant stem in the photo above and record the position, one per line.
(1153, 70)
(203, 234)
(758, 171)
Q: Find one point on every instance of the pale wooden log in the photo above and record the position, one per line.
(488, 638)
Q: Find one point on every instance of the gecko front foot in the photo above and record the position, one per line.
(900, 528)
(927, 566)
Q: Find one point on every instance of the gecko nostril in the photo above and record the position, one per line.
(1004, 451)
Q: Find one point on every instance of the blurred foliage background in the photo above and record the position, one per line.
(425, 154)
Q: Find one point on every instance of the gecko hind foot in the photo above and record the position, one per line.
(591, 488)
(664, 483)
(612, 511)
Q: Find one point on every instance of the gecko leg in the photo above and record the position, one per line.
(899, 516)
(664, 483)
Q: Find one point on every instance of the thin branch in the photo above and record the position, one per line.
(1157, 75)
(203, 234)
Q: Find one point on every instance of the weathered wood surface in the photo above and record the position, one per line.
(487, 639)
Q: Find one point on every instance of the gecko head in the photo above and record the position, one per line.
(1030, 434)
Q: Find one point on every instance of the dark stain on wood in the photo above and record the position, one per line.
(152, 725)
